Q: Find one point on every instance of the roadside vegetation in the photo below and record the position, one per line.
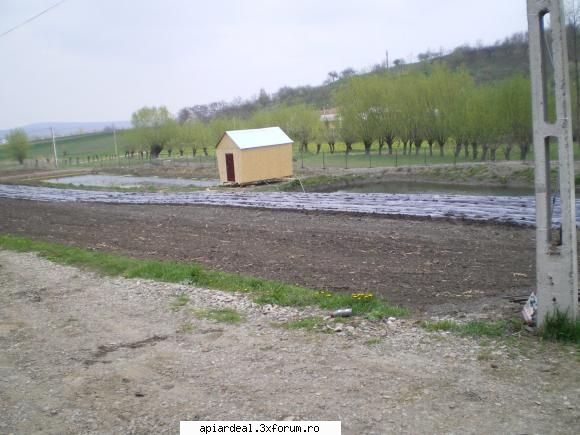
(475, 328)
(222, 315)
(262, 291)
(557, 327)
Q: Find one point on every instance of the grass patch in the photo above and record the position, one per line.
(559, 327)
(224, 315)
(373, 341)
(262, 291)
(187, 328)
(309, 323)
(179, 302)
(474, 328)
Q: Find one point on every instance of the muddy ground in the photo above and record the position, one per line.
(84, 354)
(434, 266)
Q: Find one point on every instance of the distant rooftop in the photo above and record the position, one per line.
(259, 137)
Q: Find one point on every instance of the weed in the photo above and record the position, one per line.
(485, 355)
(558, 326)
(262, 291)
(179, 302)
(473, 328)
(441, 325)
(223, 315)
(187, 328)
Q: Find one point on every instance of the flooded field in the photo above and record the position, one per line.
(129, 181)
(518, 210)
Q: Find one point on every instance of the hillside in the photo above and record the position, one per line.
(484, 63)
(42, 130)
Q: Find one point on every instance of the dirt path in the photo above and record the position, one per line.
(84, 354)
(439, 267)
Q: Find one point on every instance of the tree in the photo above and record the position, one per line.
(332, 76)
(193, 135)
(330, 135)
(301, 124)
(413, 109)
(155, 128)
(360, 109)
(347, 72)
(516, 111)
(17, 144)
(263, 98)
(445, 91)
(573, 21)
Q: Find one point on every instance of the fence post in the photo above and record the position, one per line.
(396, 158)
(370, 161)
(346, 160)
(323, 161)
(425, 157)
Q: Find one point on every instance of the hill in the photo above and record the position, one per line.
(42, 130)
(484, 63)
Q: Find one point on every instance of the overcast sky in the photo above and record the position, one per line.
(100, 60)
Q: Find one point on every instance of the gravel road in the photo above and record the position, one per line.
(80, 353)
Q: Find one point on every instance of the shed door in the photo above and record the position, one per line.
(230, 167)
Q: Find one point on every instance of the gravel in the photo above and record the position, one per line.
(81, 353)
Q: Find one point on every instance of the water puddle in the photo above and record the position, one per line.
(129, 181)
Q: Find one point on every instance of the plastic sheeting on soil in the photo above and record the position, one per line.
(518, 210)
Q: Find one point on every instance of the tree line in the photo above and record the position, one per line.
(435, 108)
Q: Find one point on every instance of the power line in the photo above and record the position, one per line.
(32, 18)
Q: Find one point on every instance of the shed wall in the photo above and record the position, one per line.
(255, 164)
(266, 163)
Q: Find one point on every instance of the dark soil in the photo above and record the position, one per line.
(433, 266)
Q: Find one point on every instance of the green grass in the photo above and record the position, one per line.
(179, 302)
(474, 328)
(262, 291)
(187, 328)
(224, 315)
(559, 327)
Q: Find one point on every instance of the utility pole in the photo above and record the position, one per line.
(115, 141)
(556, 254)
(54, 147)
(387, 64)
(576, 127)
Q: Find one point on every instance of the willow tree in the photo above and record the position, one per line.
(17, 144)
(459, 129)
(360, 109)
(516, 110)
(155, 127)
(444, 91)
(302, 125)
(413, 109)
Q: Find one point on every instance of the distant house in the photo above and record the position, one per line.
(248, 156)
(329, 114)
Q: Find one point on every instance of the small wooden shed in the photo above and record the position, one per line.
(248, 156)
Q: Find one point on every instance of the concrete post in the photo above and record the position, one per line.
(556, 254)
